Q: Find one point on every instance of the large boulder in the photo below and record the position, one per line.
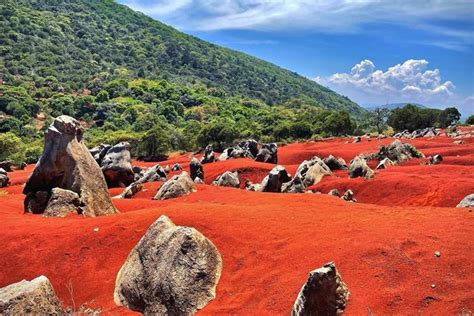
(359, 168)
(197, 171)
(398, 152)
(208, 155)
(63, 202)
(273, 182)
(335, 163)
(173, 270)
(116, 166)
(99, 152)
(67, 164)
(468, 201)
(268, 153)
(177, 186)
(324, 293)
(4, 179)
(312, 171)
(35, 297)
(228, 179)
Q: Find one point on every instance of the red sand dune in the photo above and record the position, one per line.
(383, 246)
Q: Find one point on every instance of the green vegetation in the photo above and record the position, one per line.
(470, 120)
(411, 117)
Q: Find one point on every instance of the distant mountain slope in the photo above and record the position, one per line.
(393, 106)
(76, 40)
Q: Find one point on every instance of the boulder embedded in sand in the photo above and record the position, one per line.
(197, 171)
(312, 171)
(296, 185)
(250, 147)
(324, 293)
(334, 192)
(335, 163)
(177, 186)
(208, 155)
(130, 191)
(385, 163)
(67, 164)
(173, 270)
(273, 182)
(6, 165)
(359, 168)
(228, 179)
(152, 174)
(35, 297)
(4, 179)
(398, 152)
(357, 139)
(63, 202)
(268, 153)
(436, 159)
(349, 196)
(468, 201)
(116, 166)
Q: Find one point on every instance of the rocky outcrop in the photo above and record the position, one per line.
(177, 186)
(250, 148)
(268, 153)
(99, 152)
(4, 179)
(153, 174)
(244, 149)
(273, 182)
(424, 132)
(116, 166)
(468, 201)
(324, 293)
(398, 152)
(385, 163)
(173, 270)
(357, 139)
(295, 185)
(208, 155)
(35, 297)
(435, 159)
(335, 163)
(312, 171)
(197, 171)
(63, 202)
(359, 168)
(228, 179)
(67, 164)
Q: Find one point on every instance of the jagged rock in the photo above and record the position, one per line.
(334, 192)
(385, 163)
(357, 139)
(176, 167)
(173, 270)
(198, 180)
(268, 153)
(348, 196)
(197, 171)
(468, 201)
(312, 171)
(256, 187)
(436, 159)
(155, 173)
(177, 186)
(99, 152)
(63, 202)
(116, 166)
(424, 132)
(324, 293)
(208, 155)
(35, 297)
(274, 180)
(67, 164)
(138, 172)
(359, 168)
(228, 179)
(335, 163)
(398, 152)
(131, 190)
(250, 147)
(4, 179)
(6, 165)
(296, 185)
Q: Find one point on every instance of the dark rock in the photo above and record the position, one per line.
(385, 163)
(173, 270)
(335, 163)
(273, 182)
(35, 297)
(4, 179)
(295, 185)
(116, 166)
(357, 139)
(62, 203)
(250, 147)
(359, 168)
(228, 179)
(208, 155)
(436, 159)
(6, 165)
(268, 153)
(176, 167)
(324, 293)
(468, 201)
(177, 186)
(99, 152)
(153, 174)
(334, 192)
(197, 171)
(67, 164)
(348, 196)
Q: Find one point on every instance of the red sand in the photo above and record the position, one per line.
(383, 246)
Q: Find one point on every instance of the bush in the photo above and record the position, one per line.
(11, 148)
(470, 120)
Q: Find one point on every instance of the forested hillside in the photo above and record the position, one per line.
(74, 42)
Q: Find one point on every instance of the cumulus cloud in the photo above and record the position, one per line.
(410, 81)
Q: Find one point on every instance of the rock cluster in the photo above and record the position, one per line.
(249, 149)
(173, 270)
(398, 152)
(177, 186)
(273, 182)
(67, 164)
(309, 172)
(424, 132)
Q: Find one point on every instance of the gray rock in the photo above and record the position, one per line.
(153, 174)
(116, 166)
(296, 185)
(6, 165)
(198, 180)
(177, 186)
(268, 153)
(208, 155)
(458, 142)
(359, 168)
(398, 152)
(131, 190)
(348, 196)
(99, 152)
(335, 163)
(173, 270)
(324, 293)
(273, 182)
(357, 139)
(67, 164)
(228, 179)
(468, 201)
(35, 297)
(385, 163)
(334, 192)
(436, 159)
(63, 202)
(312, 171)
(197, 171)
(176, 167)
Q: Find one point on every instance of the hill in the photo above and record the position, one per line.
(74, 42)
(393, 106)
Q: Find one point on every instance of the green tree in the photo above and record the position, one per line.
(11, 148)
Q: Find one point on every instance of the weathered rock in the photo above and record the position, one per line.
(249, 186)
(334, 192)
(173, 270)
(138, 173)
(250, 147)
(312, 171)
(398, 152)
(176, 167)
(67, 164)
(274, 180)
(435, 159)
(324, 293)
(4, 179)
(130, 191)
(357, 139)
(208, 155)
(228, 179)
(63, 202)
(198, 180)
(295, 185)
(197, 171)
(359, 168)
(6, 165)
(268, 153)
(116, 166)
(99, 152)
(335, 163)
(385, 163)
(35, 297)
(155, 173)
(348, 196)
(177, 186)
(468, 201)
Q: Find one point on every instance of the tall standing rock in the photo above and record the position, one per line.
(208, 155)
(173, 270)
(67, 164)
(197, 171)
(116, 166)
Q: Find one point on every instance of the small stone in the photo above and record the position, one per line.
(96, 229)
(437, 254)
(433, 286)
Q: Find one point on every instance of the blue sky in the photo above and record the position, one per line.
(373, 51)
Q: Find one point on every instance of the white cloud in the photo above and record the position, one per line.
(409, 81)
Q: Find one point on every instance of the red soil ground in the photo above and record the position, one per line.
(383, 246)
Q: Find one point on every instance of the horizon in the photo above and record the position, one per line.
(399, 53)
